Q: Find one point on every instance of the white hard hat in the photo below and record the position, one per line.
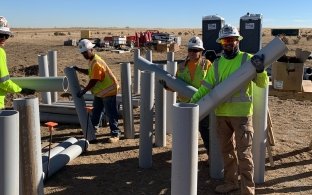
(4, 26)
(195, 43)
(85, 45)
(228, 31)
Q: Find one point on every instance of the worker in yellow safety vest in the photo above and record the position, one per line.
(234, 116)
(6, 85)
(103, 85)
(192, 71)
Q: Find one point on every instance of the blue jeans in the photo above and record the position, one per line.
(107, 104)
(204, 132)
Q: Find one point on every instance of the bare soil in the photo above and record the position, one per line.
(112, 168)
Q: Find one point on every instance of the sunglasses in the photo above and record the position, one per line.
(193, 50)
(4, 36)
(225, 41)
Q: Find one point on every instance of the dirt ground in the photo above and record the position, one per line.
(114, 168)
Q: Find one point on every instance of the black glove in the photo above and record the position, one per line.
(81, 93)
(163, 83)
(258, 62)
(27, 91)
(76, 68)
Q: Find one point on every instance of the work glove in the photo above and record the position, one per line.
(258, 62)
(26, 91)
(81, 93)
(76, 68)
(163, 83)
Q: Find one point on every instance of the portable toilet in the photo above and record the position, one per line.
(251, 29)
(211, 26)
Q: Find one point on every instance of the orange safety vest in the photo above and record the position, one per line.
(108, 85)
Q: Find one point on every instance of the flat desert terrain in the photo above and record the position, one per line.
(113, 168)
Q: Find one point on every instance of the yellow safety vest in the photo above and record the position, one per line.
(183, 73)
(6, 85)
(109, 85)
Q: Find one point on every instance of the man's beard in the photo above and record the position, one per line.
(230, 54)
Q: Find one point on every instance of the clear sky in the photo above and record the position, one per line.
(152, 14)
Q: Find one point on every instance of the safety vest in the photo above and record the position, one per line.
(6, 85)
(108, 86)
(184, 74)
(240, 104)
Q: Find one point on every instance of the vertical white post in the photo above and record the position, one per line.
(184, 149)
(31, 180)
(9, 152)
(146, 118)
(52, 59)
(215, 155)
(260, 106)
(171, 97)
(44, 72)
(160, 112)
(127, 100)
(137, 73)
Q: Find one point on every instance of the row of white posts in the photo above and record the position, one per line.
(185, 117)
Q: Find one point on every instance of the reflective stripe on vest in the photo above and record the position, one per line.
(5, 78)
(242, 92)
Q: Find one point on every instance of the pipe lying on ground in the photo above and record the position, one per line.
(55, 151)
(42, 84)
(9, 152)
(172, 82)
(59, 148)
(64, 157)
(31, 181)
(59, 118)
(272, 51)
(58, 109)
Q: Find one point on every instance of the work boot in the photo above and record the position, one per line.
(225, 188)
(113, 139)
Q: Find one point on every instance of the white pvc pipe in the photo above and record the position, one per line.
(137, 73)
(52, 61)
(88, 132)
(9, 152)
(170, 56)
(260, 105)
(174, 83)
(31, 181)
(64, 157)
(171, 97)
(56, 150)
(58, 109)
(149, 55)
(160, 112)
(44, 72)
(216, 165)
(59, 118)
(126, 100)
(272, 51)
(42, 84)
(184, 149)
(146, 118)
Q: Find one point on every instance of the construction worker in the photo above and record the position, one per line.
(234, 117)
(6, 85)
(103, 85)
(192, 71)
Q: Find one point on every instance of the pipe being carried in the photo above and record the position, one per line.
(174, 83)
(42, 84)
(272, 51)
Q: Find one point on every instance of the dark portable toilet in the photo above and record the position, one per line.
(211, 26)
(251, 29)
